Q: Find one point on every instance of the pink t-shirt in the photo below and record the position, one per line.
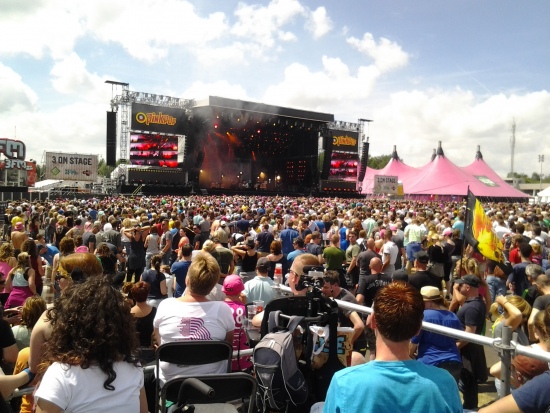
(239, 339)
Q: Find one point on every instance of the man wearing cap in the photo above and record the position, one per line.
(18, 236)
(232, 288)
(423, 277)
(472, 316)
(395, 383)
(432, 348)
(259, 288)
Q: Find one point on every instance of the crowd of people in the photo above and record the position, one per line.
(183, 268)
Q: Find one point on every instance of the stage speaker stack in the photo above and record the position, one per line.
(364, 161)
(327, 146)
(111, 139)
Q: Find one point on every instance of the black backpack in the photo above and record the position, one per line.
(276, 367)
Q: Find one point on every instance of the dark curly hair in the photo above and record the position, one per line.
(92, 326)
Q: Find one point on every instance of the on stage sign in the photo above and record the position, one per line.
(71, 166)
(384, 184)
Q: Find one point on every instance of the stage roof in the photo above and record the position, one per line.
(242, 105)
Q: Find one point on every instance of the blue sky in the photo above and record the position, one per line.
(425, 71)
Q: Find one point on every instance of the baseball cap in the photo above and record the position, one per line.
(223, 223)
(430, 293)
(232, 285)
(263, 264)
(469, 279)
(422, 256)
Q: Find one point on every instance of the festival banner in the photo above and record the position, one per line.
(158, 119)
(71, 166)
(345, 141)
(479, 233)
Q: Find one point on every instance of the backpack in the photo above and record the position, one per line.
(362, 246)
(276, 367)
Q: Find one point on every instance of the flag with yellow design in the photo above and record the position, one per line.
(479, 231)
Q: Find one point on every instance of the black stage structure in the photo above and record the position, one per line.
(229, 146)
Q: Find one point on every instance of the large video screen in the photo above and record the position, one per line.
(154, 150)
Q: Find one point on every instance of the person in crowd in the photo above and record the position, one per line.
(20, 282)
(335, 258)
(414, 233)
(298, 244)
(30, 247)
(92, 345)
(529, 395)
(157, 282)
(423, 277)
(390, 252)
(152, 245)
(107, 259)
(541, 302)
(136, 255)
(287, 237)
(144, 315)
(232, 288)
(346, 318)
(394, 381)
(437, 256)
(18, 237)
(193, 317)
(85, 265)
(533, 271)
(275, 257)
(7, 262)
(66, 247)
(30, 313)
(260, 287)
(180, 268)
(517, 280)
(472, 316)
(432, 348)
(61, 230)
(249, 255)
(352, 252)
(496, 280)
(224, 256)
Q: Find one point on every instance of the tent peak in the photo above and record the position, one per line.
(440, 149)
(433, 155)
(479, 155)
(394, 155)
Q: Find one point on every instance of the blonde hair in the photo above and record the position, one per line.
(203, 274)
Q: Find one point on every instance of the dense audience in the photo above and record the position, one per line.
(176, 253)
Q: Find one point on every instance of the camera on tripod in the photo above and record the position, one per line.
(313, 277)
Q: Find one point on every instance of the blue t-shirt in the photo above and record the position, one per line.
(393, 386)
(179, 269)
(434, 348)
(533, 396)
(50, 253)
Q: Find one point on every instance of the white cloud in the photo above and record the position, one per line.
(387, 55)
(415, 121)
(16, 96)
(34, 28)
(70, 77)
(319, 23)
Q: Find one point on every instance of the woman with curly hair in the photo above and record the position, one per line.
(90, 358)
(72, 270)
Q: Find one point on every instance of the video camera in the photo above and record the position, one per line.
(313, 276)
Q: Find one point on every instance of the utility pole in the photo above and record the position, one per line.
(513, 146)
(541, 161)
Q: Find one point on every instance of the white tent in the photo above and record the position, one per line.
(544, 195)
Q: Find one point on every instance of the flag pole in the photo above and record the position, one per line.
(466, 223)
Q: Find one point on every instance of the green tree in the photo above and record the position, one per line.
(103, 170)
(378, 162)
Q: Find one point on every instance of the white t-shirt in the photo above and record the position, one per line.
(182, 321)
(75, 389)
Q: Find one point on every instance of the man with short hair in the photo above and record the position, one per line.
(364, 258)
(260, 287)
(298, 245)
(413, 233)
(264, 240)
(394, 381)
(352, 252)
(389, 253)
(472, 316)
(225, 259)
(18, 236)
(347, 318)
(314, 247)
(423, 277)
(541, 302)
(517, 280)
(287, 237)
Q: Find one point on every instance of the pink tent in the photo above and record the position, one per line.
(394, 168)
(481, 171)
(442, 177)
